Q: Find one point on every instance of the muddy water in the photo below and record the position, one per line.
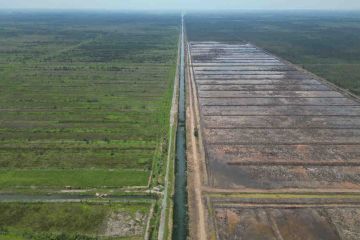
(180, 197)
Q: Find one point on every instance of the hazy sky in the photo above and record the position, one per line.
(185, 4)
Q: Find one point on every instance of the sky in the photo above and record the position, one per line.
(181, 4)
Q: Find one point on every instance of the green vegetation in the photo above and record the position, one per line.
(76, 178)
(325, 43)
(82, 94)
(85, 104)
(69, 221)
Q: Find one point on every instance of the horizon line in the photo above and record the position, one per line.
(181, 9)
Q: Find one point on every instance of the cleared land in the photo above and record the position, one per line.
(326, 43)
(274, 223)
(290, 138)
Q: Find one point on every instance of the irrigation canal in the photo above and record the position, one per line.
(180, 197)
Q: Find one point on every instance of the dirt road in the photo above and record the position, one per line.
(195, 161)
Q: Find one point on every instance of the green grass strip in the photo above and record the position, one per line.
(78, 178)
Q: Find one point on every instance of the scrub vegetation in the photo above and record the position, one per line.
(69, 220)
(325, 43)
(84, 105)
(85, 91)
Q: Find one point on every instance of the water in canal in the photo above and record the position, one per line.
(180, 197)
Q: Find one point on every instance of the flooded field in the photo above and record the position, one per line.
(267, 126)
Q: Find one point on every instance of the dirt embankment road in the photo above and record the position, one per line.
(195, 160)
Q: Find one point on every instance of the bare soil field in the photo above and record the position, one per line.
(267, 125)
(325, 223)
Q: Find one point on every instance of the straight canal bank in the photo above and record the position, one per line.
(180, 197)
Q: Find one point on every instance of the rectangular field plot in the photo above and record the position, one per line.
(272, 126)
(326, 45)
(277, 102)
(290, 223)
(281, 174)
(21, 221)
(72, 178)
(90, 93)
(286, 216)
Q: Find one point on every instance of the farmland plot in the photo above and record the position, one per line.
(88, 92)
(325, 43)
(84, 123)
(280, 154)
(92, 220)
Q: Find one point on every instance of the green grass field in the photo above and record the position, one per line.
(72, 221)
(82, 94)
(74, 178)
(325, 43)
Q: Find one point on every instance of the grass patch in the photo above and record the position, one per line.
(85, 91)
(77, 178)
(68, 221)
